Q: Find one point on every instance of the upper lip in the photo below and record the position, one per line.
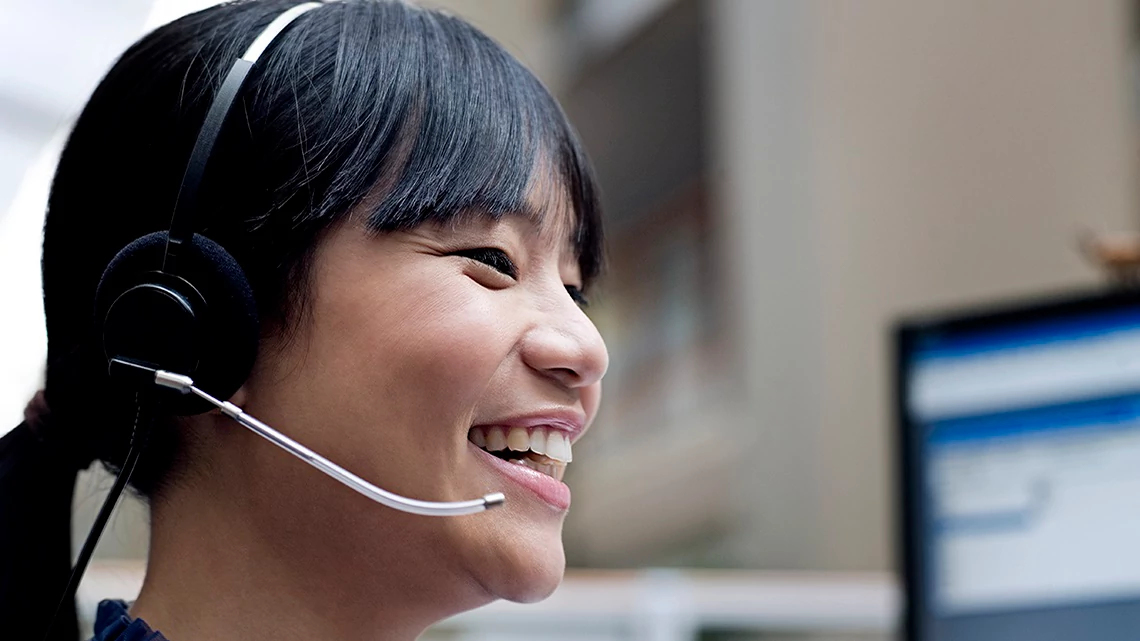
(567, 420)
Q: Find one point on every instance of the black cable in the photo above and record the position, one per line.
(138, 441)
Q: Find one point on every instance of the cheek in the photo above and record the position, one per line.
(591, 401)
(422, 347)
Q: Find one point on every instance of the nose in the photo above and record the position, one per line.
(566, 347)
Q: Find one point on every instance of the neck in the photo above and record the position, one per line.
(219, 569)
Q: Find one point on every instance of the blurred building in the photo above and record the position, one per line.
(783, 179)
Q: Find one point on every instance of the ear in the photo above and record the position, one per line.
(240, 397)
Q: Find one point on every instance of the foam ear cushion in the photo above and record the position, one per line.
(222, 344)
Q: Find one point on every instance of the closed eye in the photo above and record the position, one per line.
(578, 296)
(493, 257)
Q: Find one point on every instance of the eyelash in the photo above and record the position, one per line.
(498, 260)
(578, 296)
(494, 258)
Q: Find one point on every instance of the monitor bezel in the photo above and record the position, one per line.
(909, 467)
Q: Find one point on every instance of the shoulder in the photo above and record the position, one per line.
(114, 623)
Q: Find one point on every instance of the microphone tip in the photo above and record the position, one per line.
(493, 500)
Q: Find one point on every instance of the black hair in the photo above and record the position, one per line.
(372, 108)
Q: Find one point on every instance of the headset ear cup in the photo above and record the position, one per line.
(232, 329)
(214, 334)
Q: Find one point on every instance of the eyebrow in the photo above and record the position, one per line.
(528, 211)
(537, 218)
(540, 219)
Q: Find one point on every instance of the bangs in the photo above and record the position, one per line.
(443, 122)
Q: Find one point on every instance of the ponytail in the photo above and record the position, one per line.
(38, 466)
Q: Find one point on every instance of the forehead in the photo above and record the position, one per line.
(549, 211)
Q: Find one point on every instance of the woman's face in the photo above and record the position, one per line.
(412, 339)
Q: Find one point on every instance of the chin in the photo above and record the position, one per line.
(528, 571)
(536, 580)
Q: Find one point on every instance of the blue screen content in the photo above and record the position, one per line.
(1029, 448)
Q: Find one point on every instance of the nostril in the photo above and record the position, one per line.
(565, 374)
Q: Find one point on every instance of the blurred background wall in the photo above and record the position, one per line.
(879, 157)
(783, 179)
(806, 172)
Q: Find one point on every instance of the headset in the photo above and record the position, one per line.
(175, 311)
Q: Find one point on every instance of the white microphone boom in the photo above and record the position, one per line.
(185, 385)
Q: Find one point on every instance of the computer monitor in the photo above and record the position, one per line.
(1020, 471)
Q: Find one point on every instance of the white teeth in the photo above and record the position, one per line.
(538, 441)
(558, 447)
(554, 470)
(518, 440)
(554, 444)
(496, 439)
(478, 436)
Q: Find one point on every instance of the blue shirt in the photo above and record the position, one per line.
(112, 623)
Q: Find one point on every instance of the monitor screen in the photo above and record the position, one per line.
(1022, 453)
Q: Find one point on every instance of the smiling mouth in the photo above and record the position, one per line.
(542, 449)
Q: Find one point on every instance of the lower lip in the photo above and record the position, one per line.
(554, 492)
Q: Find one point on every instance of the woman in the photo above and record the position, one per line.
(418, 224)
